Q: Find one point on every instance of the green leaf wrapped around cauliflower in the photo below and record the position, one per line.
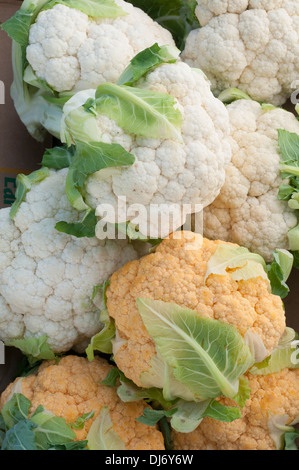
(66, 45)
(249, 44)
(257, 206)
(190, 319)
(47, 277)
(166, 117)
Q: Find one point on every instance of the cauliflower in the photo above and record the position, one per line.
(58, 49)
(248, 210)
(47, 277)
(249, 44)
(188, 272)
(73, 51)
(180, 154)
(72, 388)
(272, 406)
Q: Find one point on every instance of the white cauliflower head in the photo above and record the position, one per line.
(249, 44)
(248, 210)
(47, 277)
(170, 175)
(73, 51)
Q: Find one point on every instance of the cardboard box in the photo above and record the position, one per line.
(19, 152)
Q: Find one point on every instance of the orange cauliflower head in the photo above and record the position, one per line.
(177, 272)
(274, 400)
(72, 387)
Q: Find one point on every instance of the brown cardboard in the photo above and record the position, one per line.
(10, 370)
(19, 152)
(292, 301)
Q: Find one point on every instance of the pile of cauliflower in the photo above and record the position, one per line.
(144, 264)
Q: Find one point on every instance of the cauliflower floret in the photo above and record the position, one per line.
(248, 211)
(252, 45)
(72, 387)
(272, 396)
(178, 175)
(72, 51)
(176, 273)
(47, 277)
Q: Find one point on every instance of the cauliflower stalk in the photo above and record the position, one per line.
(176, 119)
(258, 203)
(65, 406)
(175, 310)
(249, 44)
(47, 277)
(63, 46)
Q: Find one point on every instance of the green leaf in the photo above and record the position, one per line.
(102, 341)
(17, 27)
(190, 414)
(60, 100)
(178, 16)
(24, 184)
(282, 357)
(32, 79)
(233, 94)
(101, 289)
(205, 355)
(20, 437)
(58, 157)
(92, 8)
(296, 259)
(76, 445)
(286, 192)
(278, 428)
(279, 271)
(151, 417)
(89, 159)
(223, 413)
(101, 435)
(78, 123)
(289, 167)
(15, 410)
(112, 377)
(289, 148)
(140, 112)
(51, 430)
(133, 233)
(290, 438)
(293, 237)
(146, 61)
(35, 348)
(237, 262)
(128, 392)
(166, 432)
(42, 431)
(85, 228)
(80, 422)
(244, 392)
